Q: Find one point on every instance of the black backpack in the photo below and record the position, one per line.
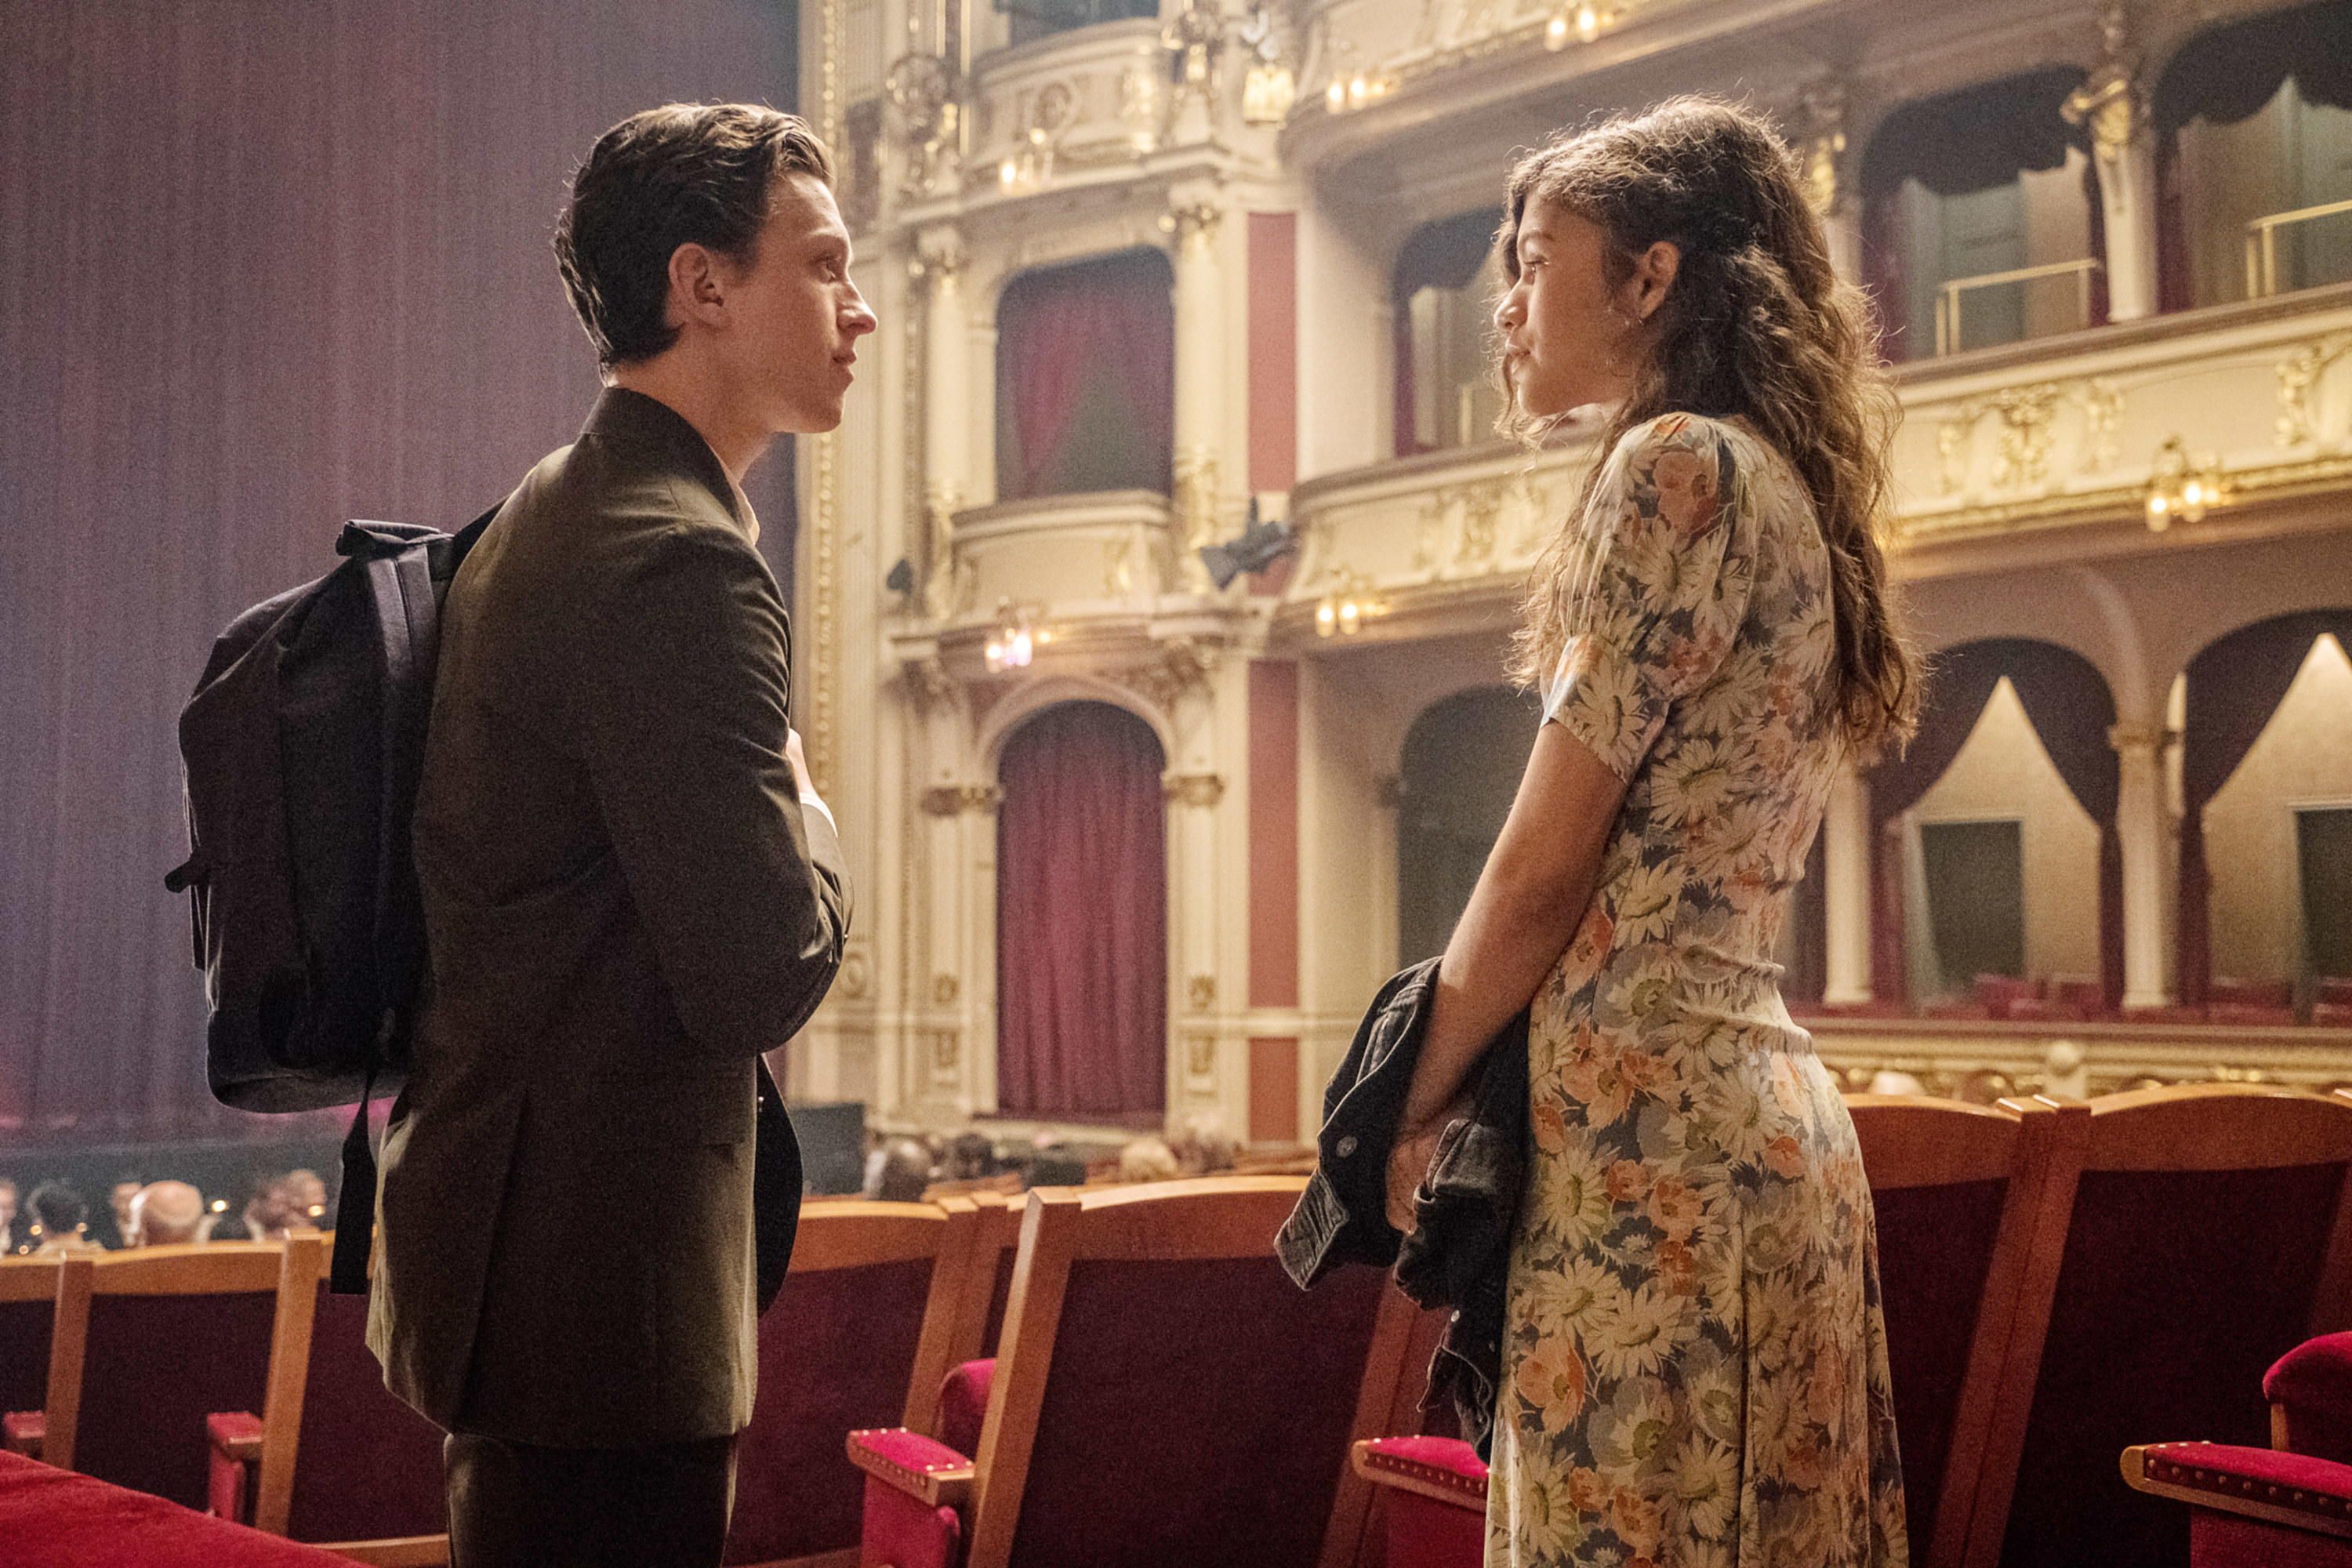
(303, 744)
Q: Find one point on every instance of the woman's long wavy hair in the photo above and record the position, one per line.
(1757, 324)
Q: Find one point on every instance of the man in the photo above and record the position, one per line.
(164, 1214)
(119, 1200)
(60, 1220)
(306, 1198)
(630, 889)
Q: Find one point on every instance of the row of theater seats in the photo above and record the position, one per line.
(2061, 1280)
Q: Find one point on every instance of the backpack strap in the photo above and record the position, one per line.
(355, 1205)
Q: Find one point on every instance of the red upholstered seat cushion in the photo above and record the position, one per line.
(367, 1467)
(910, 1451)
(236, 1452)
(964, 1404)
(2321, 1487)
(2313, 1381)
(836, 1349)
(2218, 1540)
(56, 1519)
(908, 1532)
(1443, 1462)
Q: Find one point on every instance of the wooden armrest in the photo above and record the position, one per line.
(235, 1435)
(930, 1472)
(24, 1429)
(1438, 1468)
(2294, 1489)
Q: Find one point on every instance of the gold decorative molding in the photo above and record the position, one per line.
(1183, 665)
(945, 989)
(857, 975)
(945, 1049)
(822, 740)
(1200, 1054)
(2109, 101)
(2148, 739)
(1823, 106)
(1202, 790)
(1196, 496)
(1201, 993)
(947, 800)
(2298, 376)
(1194, 223)
(2024, 452)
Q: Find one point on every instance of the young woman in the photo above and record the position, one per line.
(1694, 1363)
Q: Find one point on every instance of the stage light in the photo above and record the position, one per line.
(1259, 546)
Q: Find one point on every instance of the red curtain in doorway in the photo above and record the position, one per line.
(1086, 377)
(1082, 918)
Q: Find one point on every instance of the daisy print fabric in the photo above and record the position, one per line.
(1695, 1362)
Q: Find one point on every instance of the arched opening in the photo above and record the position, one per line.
(2253, 121)
(1447, 278)
(1082, 918)
(1086, 377)
(1980, 223)
(1998, 869)
(1460, 767)
(2265, 909)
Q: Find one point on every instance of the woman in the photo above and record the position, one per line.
(1695, 1363)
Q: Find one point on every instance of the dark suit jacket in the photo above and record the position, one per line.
(624, 904)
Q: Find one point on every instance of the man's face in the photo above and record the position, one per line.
(794, 317)
(123, 1192)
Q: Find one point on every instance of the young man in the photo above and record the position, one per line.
(631, 888)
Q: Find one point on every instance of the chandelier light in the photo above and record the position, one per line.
(2182, 488)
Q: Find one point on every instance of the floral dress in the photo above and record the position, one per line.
(1695, 1360)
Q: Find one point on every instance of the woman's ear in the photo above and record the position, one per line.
(1654, 274)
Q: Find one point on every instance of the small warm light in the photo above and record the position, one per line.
(1555, 33)
(2182, 485)
(1351, 618)
(1008, 173)
(1336, 96)
(1327, 618)
(1017, 652)
(1358, 91)
(220, 1205)
(2194, 494)
(317, 1210)
(1588, 23)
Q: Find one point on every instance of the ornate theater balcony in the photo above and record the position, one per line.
(2201, 424)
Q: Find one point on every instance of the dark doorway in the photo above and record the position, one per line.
(2322, 842)
(1461, 768)
(1976, 898)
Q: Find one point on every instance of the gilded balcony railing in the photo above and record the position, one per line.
(2261, 244)
(1947, 297)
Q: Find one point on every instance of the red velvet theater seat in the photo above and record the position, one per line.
(2310, 1391)
(859, 1336)
(28, 1304)
(1958, 1189)
(147, 1345)
(2207, 1236)
(1164, 1397)
(53, 1518)
(2251, 1508)
(1432, 1500)
(333, 1459)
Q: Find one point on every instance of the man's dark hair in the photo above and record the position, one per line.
(685, 174)
(57, 1208)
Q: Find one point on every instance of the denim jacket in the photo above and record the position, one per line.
(1459, 1251)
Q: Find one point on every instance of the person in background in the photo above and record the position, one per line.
(7, 1217)
(306, 1199)
(904, 1171)
(970, 1156)
(126, 1188)
(263, 1218)
(1206, 1148)
(164, 1214)
(60, 1220)
(1149, 1160)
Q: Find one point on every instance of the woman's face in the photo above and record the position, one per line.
(1569, 337)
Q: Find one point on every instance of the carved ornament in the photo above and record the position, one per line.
(1201, 993)
(2298, 375)
(947, 800)
(1201, 790)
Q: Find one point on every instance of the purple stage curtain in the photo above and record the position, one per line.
(2072, 710)
(2234, 686)
(265, 265)
(1082, 917)
(1086, 377)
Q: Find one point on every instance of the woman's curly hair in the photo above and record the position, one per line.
(1757, 325)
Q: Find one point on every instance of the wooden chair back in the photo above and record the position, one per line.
(28, 1305)
(344, 1464)
(2209, 1232)
(147, 1345)
(995, 1244)
(859, 1336)
(1959, 1191)
(1164, 1394)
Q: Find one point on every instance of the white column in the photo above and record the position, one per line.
(947, 428)
(2140, 823)
(1841, 227)
(2128, 201)
(1845, 873)
(1201, 384)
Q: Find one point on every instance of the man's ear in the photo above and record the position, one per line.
(1654, 274)
(697, 286)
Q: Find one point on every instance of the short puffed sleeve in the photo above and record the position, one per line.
(1668, 561)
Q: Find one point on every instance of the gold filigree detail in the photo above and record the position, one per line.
(947, 800)
(1201, 1054)
(2023, 453)
(2109, 101)
(1118, 568)
(1201, 993)
(1823, 105)
(1195, 476)
(823, 741)
(946, 1053)
(1183, 665)
(2298, 376)
(945, 989)
(1201, 790)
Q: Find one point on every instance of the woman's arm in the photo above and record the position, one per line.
(1528, 902)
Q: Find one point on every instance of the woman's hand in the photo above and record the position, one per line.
(1410, 1157)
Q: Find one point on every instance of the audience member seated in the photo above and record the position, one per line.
(7, 1217)
(264, 1217)
(970, 1156)
(1148, 1159)
(118, 1201)
(164, 1214)
(902, 1173)
(60, 1220)
(306, 1199)
(1886, 1081)
(1206, 1148)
